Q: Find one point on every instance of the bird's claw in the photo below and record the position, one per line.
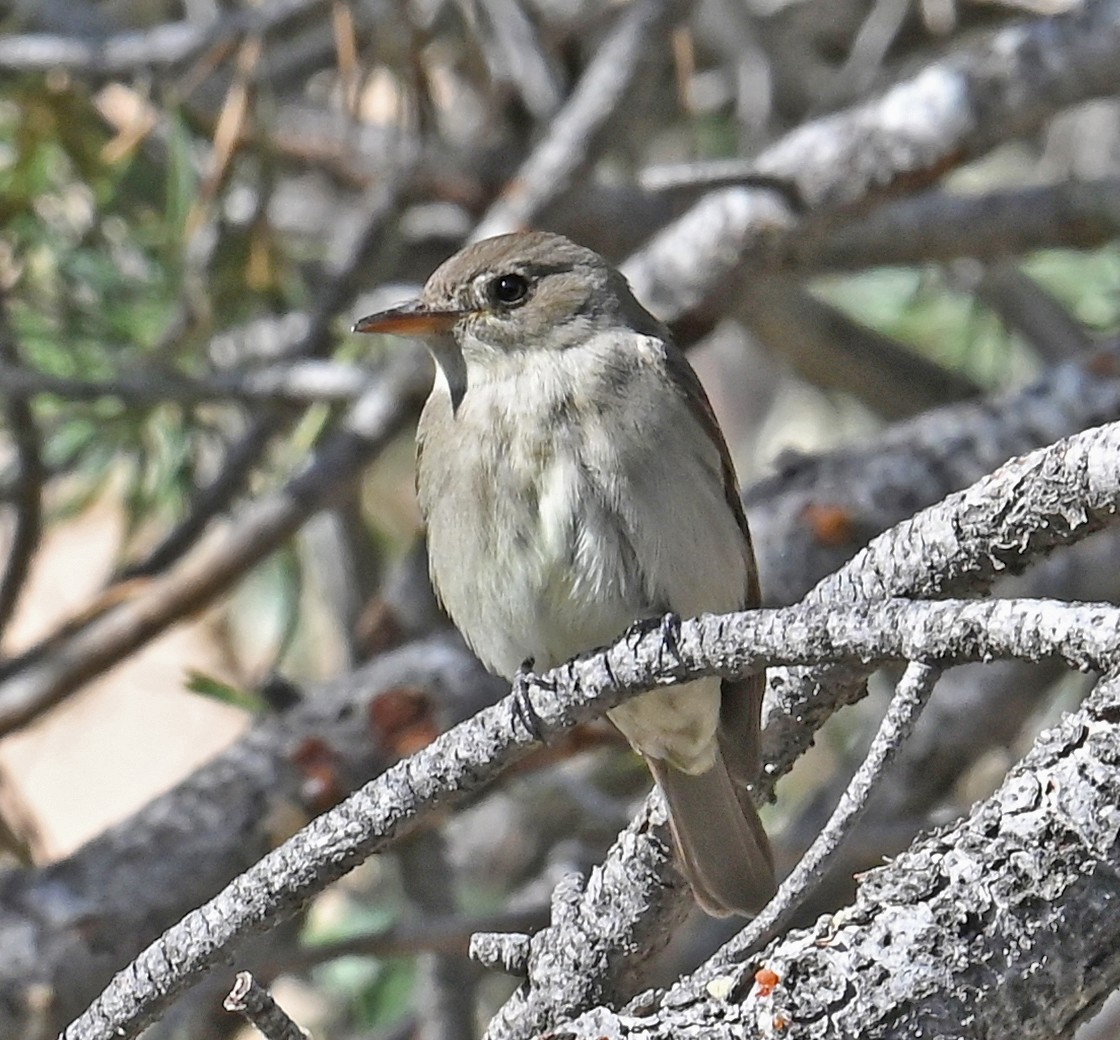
(523, 709)
(668, 626)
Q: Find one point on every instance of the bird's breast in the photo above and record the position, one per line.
(527, 554)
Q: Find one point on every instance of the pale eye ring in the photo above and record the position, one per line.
(508, 290)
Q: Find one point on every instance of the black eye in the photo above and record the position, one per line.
(508, 289)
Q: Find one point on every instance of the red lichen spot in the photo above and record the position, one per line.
(403, 720)
(833, 525)
(1103, 364)
(780, 1022)
(322, 785)
(767, 981)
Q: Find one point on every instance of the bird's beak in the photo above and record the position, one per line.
(409, 319)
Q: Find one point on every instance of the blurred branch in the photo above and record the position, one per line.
(515, 54)
(816, 512)
(956, 109)
(1037, 315)
(170, 45)
(27, 487)
(833, 350)
(294, 382)
(72, 924)
(937, 225)
(429, 934)
(446, 978)
(549, 170)
(55, 667)
(345, 264)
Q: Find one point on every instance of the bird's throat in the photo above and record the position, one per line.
(451, 366)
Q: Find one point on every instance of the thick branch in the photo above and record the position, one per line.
(953, 110)
(476, 751)
(1001, 927)
(937, 226)
(811, 517)
(43, 676)
(948, 545)
(70, 925)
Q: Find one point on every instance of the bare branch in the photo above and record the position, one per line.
(27, 486)
(548, 171)
(816, 512)
(297, 382)
(833, 350)
(478, 750)
(1011, 903)
(251, 1000)
(1036, 314)
(348, 257)
(51, 670)
(630, 903)
(954, 109)
(936, 225)
(170, 45)
(910, 698)
(72, 924)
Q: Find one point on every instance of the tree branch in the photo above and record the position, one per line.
(999, 927)
(630, 903)
(471, 755)
(954, 110)
(51, 670)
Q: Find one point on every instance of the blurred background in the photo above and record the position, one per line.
(205, 533)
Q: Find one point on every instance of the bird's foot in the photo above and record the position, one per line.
(668, 626)
(523, 709)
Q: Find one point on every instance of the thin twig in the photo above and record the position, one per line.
(243, 456)
(252, 1001)
(298, 382)
(447, 979)
(27, 487)
(548, 171)
(910, 698)
(1031, 310)
(833, 350)
(53, 668)
(438, 934)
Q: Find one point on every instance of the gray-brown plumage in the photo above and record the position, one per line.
(574, 479)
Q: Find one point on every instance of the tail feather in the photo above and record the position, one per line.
(722, 847)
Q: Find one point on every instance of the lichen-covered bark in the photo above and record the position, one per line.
(1004, 925)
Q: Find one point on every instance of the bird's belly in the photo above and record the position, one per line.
(540, 574)
(549, 573)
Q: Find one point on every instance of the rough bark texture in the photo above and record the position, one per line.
(1001, 926)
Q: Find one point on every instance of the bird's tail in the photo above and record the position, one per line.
(721, 845)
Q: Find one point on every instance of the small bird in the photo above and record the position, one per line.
(574, 480)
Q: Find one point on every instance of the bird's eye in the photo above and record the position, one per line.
(508, 289)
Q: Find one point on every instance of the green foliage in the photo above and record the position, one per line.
(377, 991)
(223, 692)
(95, 253)
(925, 309)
